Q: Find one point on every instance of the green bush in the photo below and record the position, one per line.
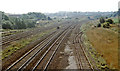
(110, 21)
(106, 25)
(99, 25)
(6, 25)
(102, 20)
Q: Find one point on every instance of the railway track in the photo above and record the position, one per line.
(34, 48)
(27, 58)
(94, 63)
(82, 58)
(7, 40)
(45, 59)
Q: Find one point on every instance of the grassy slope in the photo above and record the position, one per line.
(106, 43)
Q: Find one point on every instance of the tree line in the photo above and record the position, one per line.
(23, 21)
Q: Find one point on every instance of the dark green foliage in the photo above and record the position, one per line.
(119, 15)
(106, 25)
(22, 21)
(106, 17)
(119, 19)
(99, 25)
(14, 23)
(102, 20)
(34, 15)
(49, 18)
(110, 21)
(4, 17)
(23, 25)
(19, 24)
(25, 16)
(30, 24)
(6, 25)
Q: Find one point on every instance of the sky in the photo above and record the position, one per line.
(52, 6)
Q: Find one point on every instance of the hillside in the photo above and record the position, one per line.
(106, 43)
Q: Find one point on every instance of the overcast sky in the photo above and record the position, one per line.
(51, 6)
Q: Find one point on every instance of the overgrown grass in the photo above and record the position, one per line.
(7, 32)
(90, 48)
(22, 43)
(92, 51)
(106, 43)
(115, 20)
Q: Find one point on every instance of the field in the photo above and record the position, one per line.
(106, 43)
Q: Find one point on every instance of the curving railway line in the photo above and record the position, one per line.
(82, 58)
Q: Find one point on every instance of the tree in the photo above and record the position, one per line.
(5, 17)
(102, 20)
(19, 24)
(49, 18)
(23, 25)
(106, 17)
(30, 25)
(119, 15)
(110, 21)
(6, 25)
(34, 15)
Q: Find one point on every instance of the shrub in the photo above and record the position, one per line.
(106, 25)
(49, 18)
(102, 20)
(99, 25)
(110, 21)
(6, 25)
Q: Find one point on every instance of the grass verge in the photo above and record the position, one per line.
(102, 43)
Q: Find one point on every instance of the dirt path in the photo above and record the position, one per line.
(71, 58)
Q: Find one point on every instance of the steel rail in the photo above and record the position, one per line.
(38, 52)
(47, 52)
(85, 53)
(26, 54)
